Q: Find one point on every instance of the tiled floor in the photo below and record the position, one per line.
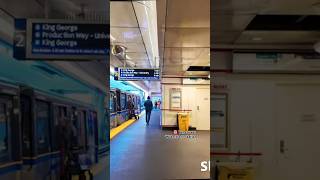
(143, 152)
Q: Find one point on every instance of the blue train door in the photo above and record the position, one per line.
(59, 115)
(42, 140)
(5, 138)
(113, 110)
(81, 129)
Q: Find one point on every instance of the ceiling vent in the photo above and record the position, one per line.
(285, 23)
(199, 68)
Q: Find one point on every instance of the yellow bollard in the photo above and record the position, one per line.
(231, 173)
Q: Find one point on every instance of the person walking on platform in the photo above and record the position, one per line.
(148, 105)
(159, 104)
(155, 104)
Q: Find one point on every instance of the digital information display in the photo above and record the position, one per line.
(60, 40)
(131, 74)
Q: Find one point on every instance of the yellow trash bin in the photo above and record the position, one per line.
(183, 121)
(235, 173)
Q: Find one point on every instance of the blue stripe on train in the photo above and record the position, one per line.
(111, 115)
(41, 159)
(11, 168)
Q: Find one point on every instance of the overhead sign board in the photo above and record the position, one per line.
(276, 63)
(273, 56)
(130, 74)
(60, 40)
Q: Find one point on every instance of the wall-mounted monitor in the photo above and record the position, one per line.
(48, 39)
(136, 74)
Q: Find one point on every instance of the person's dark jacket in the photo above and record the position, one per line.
(148, 105)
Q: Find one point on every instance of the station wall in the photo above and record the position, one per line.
(190, 101)
(254, 119)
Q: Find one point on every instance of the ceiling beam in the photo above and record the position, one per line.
(308, 47)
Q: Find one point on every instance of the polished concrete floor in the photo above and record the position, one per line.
(143, 152)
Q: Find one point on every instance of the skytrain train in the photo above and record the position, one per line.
(119, 111)
(35, 98)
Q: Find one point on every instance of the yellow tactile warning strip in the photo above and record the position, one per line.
(120, 128)
(117, 130)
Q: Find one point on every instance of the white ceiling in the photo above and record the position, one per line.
(131, 27)
(94, 10)
(184, 36)
(229, 19)
(124, 28)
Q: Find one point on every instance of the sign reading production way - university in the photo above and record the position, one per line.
(130, 74)
(60, 40)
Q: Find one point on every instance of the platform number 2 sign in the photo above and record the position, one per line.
(20, 39)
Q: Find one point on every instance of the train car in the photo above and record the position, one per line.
(136, 104)
(119, 111)
(113, 109)
(32, 112)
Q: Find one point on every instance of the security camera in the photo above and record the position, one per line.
(119, 51)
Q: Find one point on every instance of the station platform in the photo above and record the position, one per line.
(144, 152)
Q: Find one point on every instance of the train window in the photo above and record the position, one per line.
(112, 102)
(25, 103)
(118, 108)
(104, 133)
(59, 114)
(123, 101)
(134, 101)
(92, 134)
(81, 128)
(3, 132)
(42, 126)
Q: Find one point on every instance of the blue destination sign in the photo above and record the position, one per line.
(55, 39)
(130, 74)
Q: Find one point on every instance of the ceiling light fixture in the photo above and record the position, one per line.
(112, 38)
(316, 47)
(257, 39)
(112, 70)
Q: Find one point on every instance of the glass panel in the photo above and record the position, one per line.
(81, 128)
(112, 102)
(60, 113)
(92, 135)
(123, 101)
(3, 132)
(26, 125)
(42, 127)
